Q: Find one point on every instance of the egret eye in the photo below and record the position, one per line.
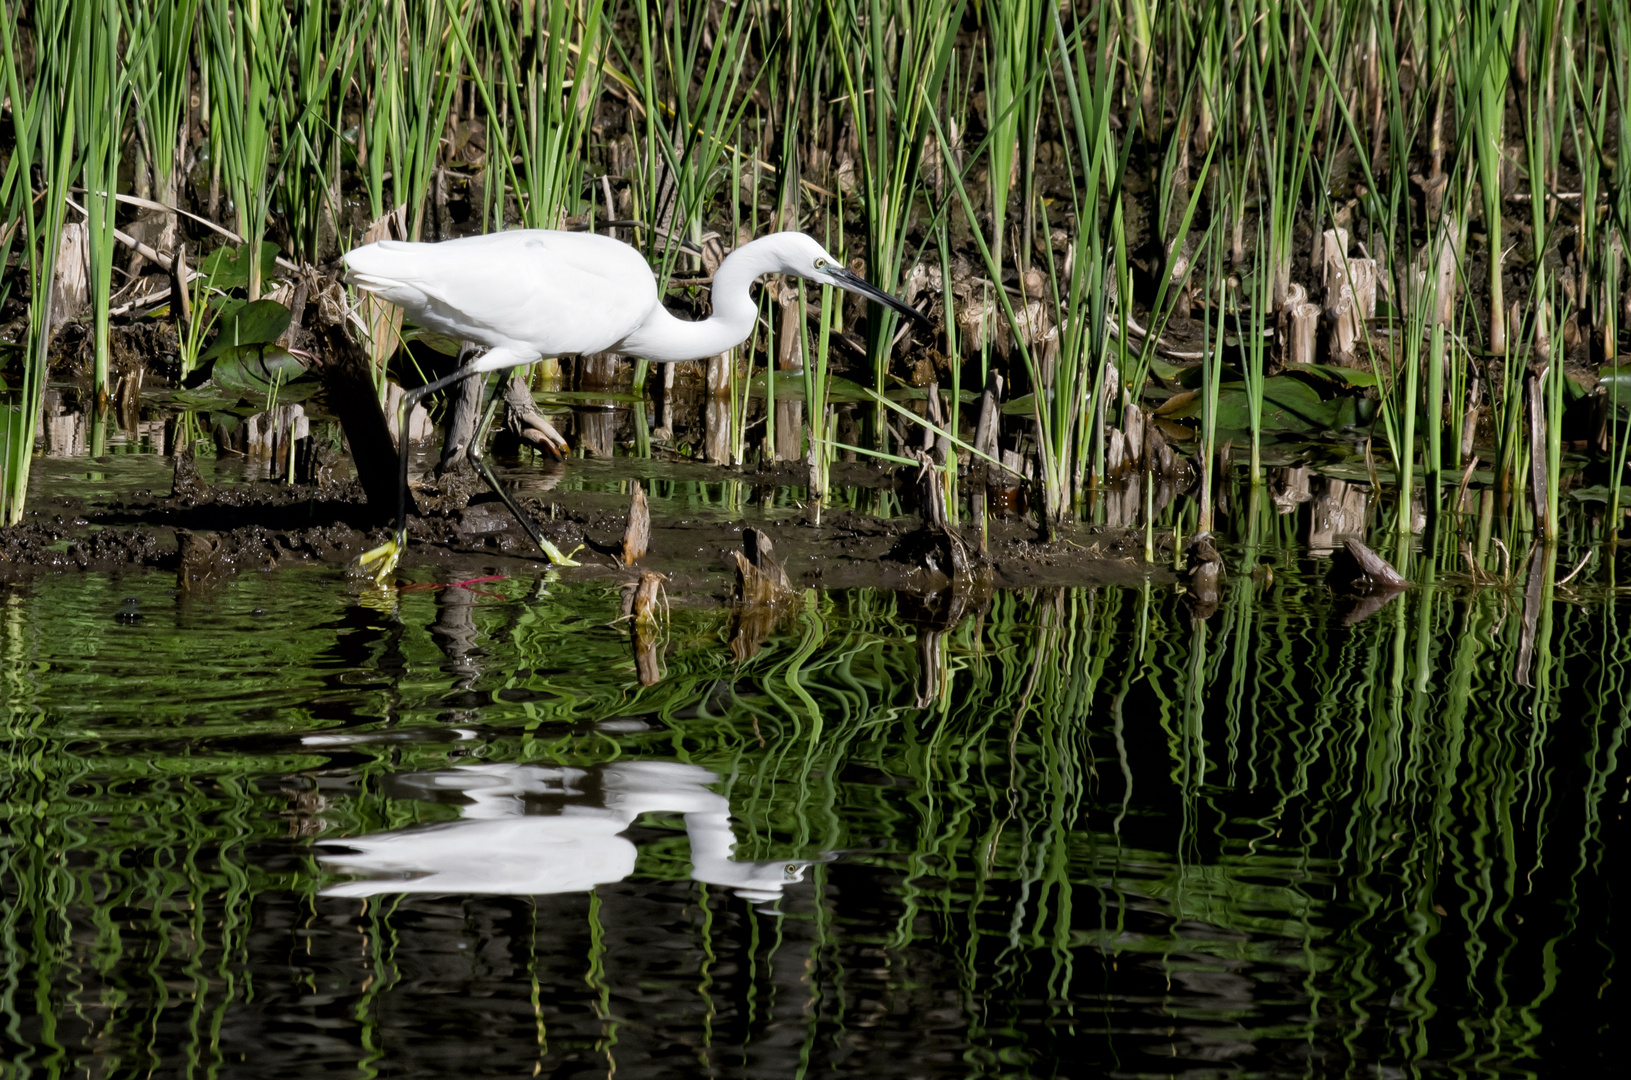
(822, 264)
(792, 869)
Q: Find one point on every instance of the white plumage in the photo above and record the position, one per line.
(534, 293)
(501, 844)
(531, 292)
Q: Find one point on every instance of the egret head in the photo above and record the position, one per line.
(803, 257)
(761, 883)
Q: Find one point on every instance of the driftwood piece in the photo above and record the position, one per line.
(1362, 278)
(643, 597)
(1132, 428)
(762, 589)
(1469, 421)
(637, 534)
(760, 578)
(1448, 257)
(1344, 319)
(463, 415)
(931, 490)
(934, 546)
(70, 289)
(985, 429)
(1330, 251)
(1115, 453)
(1365, 580)
(1350, 290)
(381, 318)
(182, 305)
(645, 605)
(1375, 571)
(527, 423)
(648, 665)
(1541, 567)
(1159, 454)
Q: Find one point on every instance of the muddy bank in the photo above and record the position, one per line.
(205, 531)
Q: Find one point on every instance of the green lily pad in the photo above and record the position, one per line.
(1289, 405)
(1166, 372)
(840, 389)
(1332, 373)
(202, 398)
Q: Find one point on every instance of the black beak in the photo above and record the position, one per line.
(845, 279)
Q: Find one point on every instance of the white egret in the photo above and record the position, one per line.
(528, 294)
(504, 841)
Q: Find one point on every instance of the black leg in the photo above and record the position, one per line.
(381, 561)
(478, 460)
(405, 448)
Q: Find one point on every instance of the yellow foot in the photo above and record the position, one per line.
(557, 558)
(381, 561)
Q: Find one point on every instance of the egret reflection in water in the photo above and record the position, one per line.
(536, 829)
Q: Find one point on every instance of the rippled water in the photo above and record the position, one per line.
(280, 827)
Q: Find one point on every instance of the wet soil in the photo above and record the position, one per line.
(205, 532)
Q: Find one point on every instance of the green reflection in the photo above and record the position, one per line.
(1084, 825)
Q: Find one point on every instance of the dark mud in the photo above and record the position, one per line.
(206, 532)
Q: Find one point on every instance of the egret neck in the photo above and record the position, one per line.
(664, 338)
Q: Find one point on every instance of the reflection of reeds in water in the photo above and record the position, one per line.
(1375, 840)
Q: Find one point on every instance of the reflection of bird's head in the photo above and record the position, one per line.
(763, 882)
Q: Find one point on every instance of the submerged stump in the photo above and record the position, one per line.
(763, 593)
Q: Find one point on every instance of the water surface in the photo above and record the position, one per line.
(284, 826)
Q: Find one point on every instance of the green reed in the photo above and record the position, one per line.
(157, 60)
(103, 102)
(248, 54)
(43, 118)
(1017, 53)
(694, 98)
(891, 62)
(414, 64)
(1116, 126)
(547, 103)
(326, 54)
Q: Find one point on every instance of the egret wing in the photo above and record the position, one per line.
(547, 292)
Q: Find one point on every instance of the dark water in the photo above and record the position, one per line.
(285, 827)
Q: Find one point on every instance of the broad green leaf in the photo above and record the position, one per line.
(1166, 372)
(1332, 373)
(1617, 379)
(1289, 405)
(254, 371)
(203, 397)
(228, 267)
(1594, 493)
(260, 322)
